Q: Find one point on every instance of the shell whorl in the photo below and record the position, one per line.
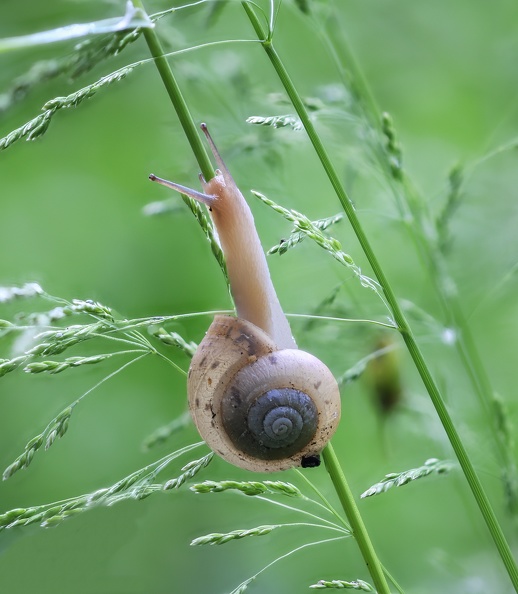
(273, 425)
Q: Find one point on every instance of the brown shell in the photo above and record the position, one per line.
(236, 354)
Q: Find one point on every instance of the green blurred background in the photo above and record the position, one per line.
(71, 219)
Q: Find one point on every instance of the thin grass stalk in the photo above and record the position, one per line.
(355, 520)
(400, 319)
(433, 259)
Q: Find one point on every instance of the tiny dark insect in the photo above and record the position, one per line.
(310, 461)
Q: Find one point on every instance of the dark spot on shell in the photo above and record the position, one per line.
(317, 385)
(273, 359)
(208, 406)
(197, 402)
(249, 342)
(214, 365)
(209, 381)
(202, 362)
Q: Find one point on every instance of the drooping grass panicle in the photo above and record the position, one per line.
(137, 485)
(250, 488)
(398, 479)
(54, 367)
(58, 425)
(86, 55)
(38, 126)
(329, 244)
(52, 339)
(217, 538)
(343, 585)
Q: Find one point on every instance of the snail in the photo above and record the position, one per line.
(256, 400)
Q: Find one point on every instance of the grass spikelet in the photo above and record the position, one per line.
(56, 428)
(392, 146)
(208, 229)
(8, 365)
(505, 432)
(174, 339)
(222, 538)
(25, 458)
(91, 52)
(54, 367)
(93, 308)
(297, 236)
(398, 479)
(442, 222)
(8, 294)
(343, 585)
(243, 586)
(189, 471)
(137, 485)
(280, 121)
(57, 341)
(250, 488)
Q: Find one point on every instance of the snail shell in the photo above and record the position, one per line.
(259, 407)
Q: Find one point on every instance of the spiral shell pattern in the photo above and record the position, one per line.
(277, 423)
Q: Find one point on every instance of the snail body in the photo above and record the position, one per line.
(257, 400)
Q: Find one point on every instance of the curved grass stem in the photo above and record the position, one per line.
(400, 319)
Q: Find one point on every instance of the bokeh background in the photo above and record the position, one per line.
(71, 219)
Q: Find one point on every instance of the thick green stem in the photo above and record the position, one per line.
(355, 520)
(178, 101)
(400, 319)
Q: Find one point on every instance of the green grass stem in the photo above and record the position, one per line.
(355, 520)
(400, 319)
(410, 201)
